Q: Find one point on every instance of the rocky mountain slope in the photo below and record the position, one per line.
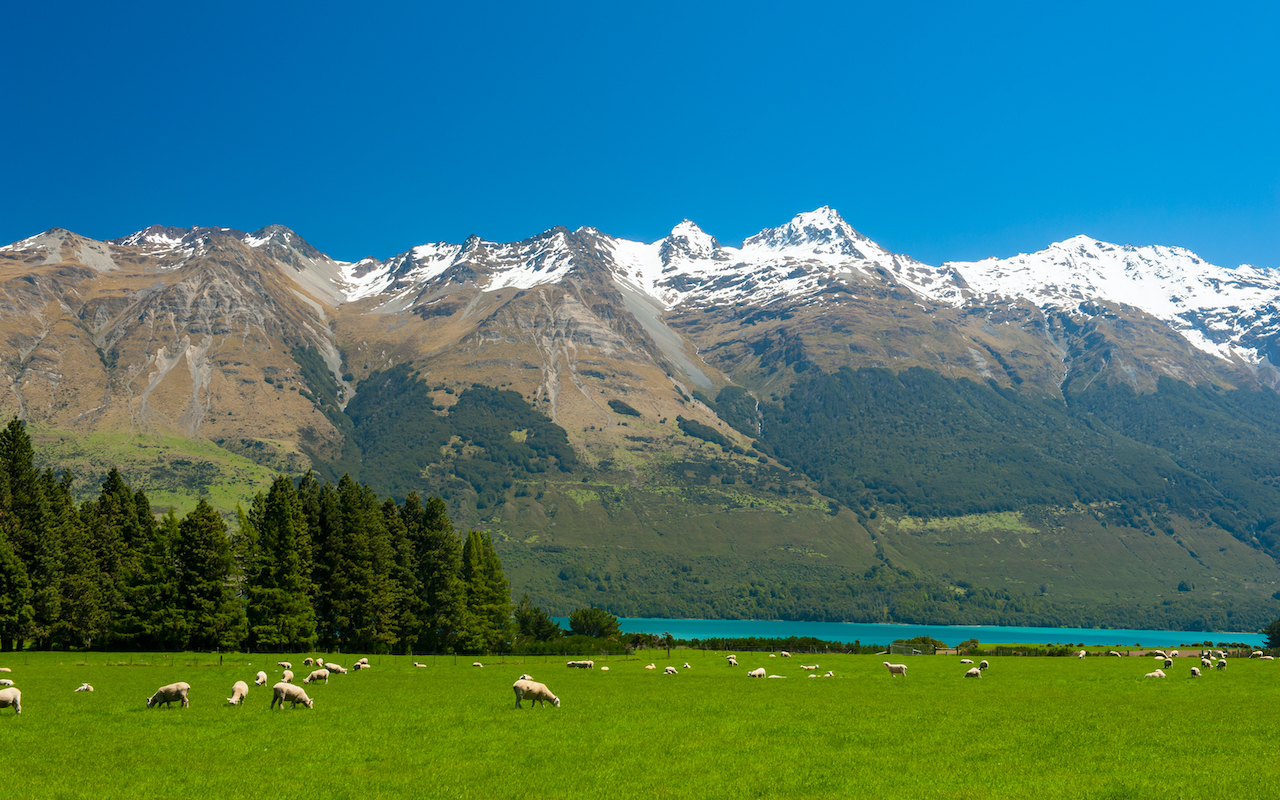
(688, 427)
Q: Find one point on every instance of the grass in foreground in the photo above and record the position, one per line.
(1042, 727)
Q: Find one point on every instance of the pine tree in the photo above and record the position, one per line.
(16, 612)
(24, 497)
(487, 624)
(437, 555)
(279, 611)
(214, 615)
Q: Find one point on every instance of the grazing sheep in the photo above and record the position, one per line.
(239, 690)
(604, 669)
(167, 694)
(284, 665)
(966, 661)
(288, 693)
(359, 665)
(829, 674)
(317, 675)
(973, 672)
(896, 669)
(733, 662)
(1080, 654)
(1256, 654)
(416, 664)
(319, 661)
(1222, 664)
(340, 670)
(1157, 674)
(1173, 654)
(1113, 653)
(5, 682)
(686, 665)
(476, 664)
(261, 680)
(651, 666)
(1158, 654)
(808, 667)
(671, 671)
(785, 654)
(536, 692)
(773, 655)
(1195, 672)
(308, 662)
(288, 676)
(364, 660)
(84, 687)
(983, 664)
(1206, 663)
(1168, 662)
(811, 676)
(581, 664)
(5, 669)
(11, 697)
(756, 673)
(1268, 658)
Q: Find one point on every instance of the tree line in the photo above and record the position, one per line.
(309, 564)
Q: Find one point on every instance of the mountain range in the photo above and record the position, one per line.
(806, 426)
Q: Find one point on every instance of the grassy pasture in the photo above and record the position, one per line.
(1031, 727)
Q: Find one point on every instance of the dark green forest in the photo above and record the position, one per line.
(309, 564)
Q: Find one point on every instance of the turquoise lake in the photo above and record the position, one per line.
(951, 634)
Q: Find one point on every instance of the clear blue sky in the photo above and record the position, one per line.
(944, 130)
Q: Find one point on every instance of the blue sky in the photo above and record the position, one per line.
(948, 131)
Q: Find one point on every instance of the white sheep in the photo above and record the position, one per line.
(288, 676)
(167, 694)
(1256, 654)
(983, 664)
(1195, 672)
(284, 665)
(829, 674)
(966, 661)
(651, 666)
(1159, 654)
(604, 669)
(317, 676)
(11, 697)
(733, 662)
(1080, 654)
(319, 661)
(1206, 663)
(288, 693)
(1173, 654)
(581, 664)
(756, 673)
(808, 667)
(84, 687)
(416, 664)
(536, 692)
(671, 671)
(1268, 658)
(261, 680)
(476, 664)
(1157, 674)
(773, 655)
(686, 665)
(364, 661)
(340, 670)
(1168, 662)
(5, 682)
(359, 665)
(1222, 664)
(308, 662)
(973, 672)
(777, 676)
(5, 669)
(239, 690)
(785, 654)
(525, 677)
(896, 669)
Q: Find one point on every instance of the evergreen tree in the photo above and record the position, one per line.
(279, 612)
(594, 622)
(402, 580)
(437, 558)
(534, 623)
(487, 624)
(214, 616)
(16, 612)
(24, 498)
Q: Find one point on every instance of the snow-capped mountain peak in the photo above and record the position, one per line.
(819, 232)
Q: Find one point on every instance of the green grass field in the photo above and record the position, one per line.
(1031, 727)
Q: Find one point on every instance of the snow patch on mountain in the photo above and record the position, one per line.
(1218, 310)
